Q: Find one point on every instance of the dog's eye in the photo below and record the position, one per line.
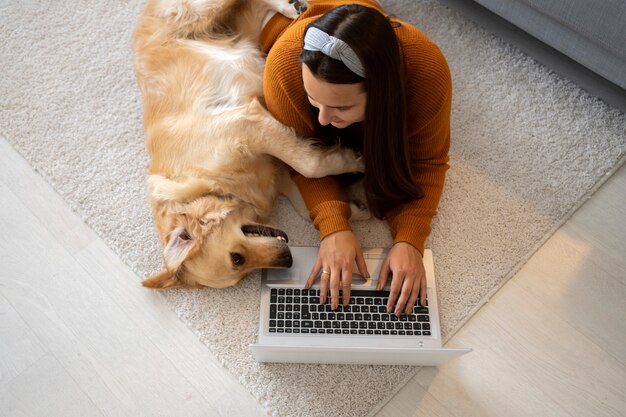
(237, 259)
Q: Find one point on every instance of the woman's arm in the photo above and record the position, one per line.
(429, 99)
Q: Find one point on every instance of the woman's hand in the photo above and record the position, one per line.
(335, 260)
(406, 266)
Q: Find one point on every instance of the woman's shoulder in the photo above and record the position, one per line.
(424, 62)
(416, 47)
(282, 80)
(428, 81)
(282, 64)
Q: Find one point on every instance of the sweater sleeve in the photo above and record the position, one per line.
(429, 98)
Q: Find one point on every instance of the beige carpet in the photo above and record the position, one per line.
(527, 148)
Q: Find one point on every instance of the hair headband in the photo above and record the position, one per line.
(318, 40)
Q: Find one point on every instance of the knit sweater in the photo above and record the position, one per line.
(428, 96)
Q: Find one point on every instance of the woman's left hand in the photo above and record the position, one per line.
(405, 265)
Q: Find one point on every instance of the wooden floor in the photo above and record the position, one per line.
(79, 337)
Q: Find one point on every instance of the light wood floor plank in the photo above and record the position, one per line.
(414, 401)
(580, 291)
(54, 394)
(600, 225)
(19, 346)
(569, 367)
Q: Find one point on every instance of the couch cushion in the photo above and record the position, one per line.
(592, 32)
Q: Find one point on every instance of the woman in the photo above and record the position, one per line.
(348, 73)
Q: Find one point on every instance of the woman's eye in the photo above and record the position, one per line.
(237, 259)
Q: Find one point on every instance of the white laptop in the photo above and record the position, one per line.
(295, 328)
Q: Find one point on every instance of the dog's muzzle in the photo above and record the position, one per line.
(259, 230)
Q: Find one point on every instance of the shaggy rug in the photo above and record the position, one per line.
(528, 147)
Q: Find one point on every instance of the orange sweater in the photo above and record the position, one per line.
(429, 95)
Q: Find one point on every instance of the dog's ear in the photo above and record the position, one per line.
(163, 280)
(181, 243)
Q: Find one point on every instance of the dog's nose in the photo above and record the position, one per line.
(285, 259)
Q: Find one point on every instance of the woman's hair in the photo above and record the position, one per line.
(388, 181)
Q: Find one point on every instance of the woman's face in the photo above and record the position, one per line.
(339, 104)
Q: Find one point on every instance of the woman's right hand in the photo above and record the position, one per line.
(337, 254)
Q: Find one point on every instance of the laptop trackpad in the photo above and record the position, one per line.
(304, 259)
(374, 262)
(294, 274)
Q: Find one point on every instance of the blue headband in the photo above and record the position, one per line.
(318, 40)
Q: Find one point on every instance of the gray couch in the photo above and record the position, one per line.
(590, 34)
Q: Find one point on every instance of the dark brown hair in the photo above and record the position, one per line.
(388, 180)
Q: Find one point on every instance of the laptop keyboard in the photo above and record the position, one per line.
(299, 311)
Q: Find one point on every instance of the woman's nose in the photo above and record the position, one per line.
(325, 116)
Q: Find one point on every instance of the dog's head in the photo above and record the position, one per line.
(209, 238)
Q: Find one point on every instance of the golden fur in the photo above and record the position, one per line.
(216, 153)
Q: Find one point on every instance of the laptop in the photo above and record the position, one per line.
(295, 328)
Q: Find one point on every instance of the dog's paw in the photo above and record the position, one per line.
(300, 5)
(338, 161)
(291, 8)
(359, 211)
(332, 161)
(352, 161)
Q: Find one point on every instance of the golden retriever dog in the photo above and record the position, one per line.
(218, 157)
